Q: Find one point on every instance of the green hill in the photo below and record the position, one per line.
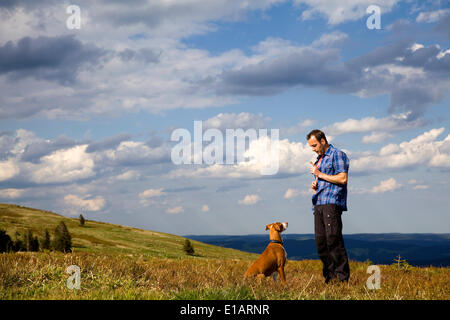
(107, 238)
(119, 262)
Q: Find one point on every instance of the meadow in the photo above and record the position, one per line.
(118, 262)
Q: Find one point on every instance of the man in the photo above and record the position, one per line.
(329, 201)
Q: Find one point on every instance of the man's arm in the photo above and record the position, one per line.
(340, 178)
(341, 164)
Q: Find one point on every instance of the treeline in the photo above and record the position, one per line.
(61, 241)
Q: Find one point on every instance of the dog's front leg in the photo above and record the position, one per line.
(281, 272)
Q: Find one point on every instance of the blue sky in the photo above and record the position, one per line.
(86, 114)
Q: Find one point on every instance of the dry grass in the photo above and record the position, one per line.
(42, 276)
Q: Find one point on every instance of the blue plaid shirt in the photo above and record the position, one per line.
(333, 162)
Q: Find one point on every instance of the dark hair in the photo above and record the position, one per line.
(318, 134)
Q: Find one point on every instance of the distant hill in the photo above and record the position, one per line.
(418, 249)
(107, 238)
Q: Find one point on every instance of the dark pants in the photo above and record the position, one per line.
(330, 243)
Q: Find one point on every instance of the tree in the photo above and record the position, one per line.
(29, 240)
(81, 220)
(5, 241)
(18, 244)
(35, 244)
(46, 243)
(188, 247)
(62, 240)
(31, 243)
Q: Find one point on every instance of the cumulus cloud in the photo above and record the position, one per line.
(175, 210)
(11, 193)
(28, 160)
(424, 150)
(292, 193)
(250, 199)
(432, 16)
(128, 175)
(151, 193)
(107, 143)
(337, 12)
(334, 38)
(421, 187)
(376, 137)
(392, 123)
(8, 169)
(399, 69)
(77, 203)
(386, 185)
(243, 120)
(289, 157)
(298, 128)
(63, 166)
(49, 58)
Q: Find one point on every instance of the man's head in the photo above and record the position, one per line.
(317, 141)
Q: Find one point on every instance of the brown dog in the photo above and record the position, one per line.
(273, 258)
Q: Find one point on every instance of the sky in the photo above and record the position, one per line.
(90, 97)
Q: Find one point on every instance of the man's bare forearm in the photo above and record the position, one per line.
(340, 178)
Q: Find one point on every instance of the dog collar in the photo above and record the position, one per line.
(276, 241)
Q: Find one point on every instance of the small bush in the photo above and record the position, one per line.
(188, 248)
(82, 221)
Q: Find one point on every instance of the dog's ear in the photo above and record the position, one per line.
(268, 226)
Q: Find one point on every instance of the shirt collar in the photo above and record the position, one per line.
(328, 152)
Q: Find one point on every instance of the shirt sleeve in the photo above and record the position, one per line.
(340, 162)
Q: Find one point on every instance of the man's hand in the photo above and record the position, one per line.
(314, 170)
(314, 185)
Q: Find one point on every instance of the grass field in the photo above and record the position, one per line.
(118, 262)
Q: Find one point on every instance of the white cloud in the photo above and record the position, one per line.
(386, 185)
(421, 187)
(377, 126)
(151, 193)
(79, 204)
(376, 137)
(243, 120)
(291, 193)
(11, 193)
(298, 128)
(293, 158)
(63, 166)
(424, 150)
(432, 16)
(128, 175)
(175, 210)
(8, 169)
(330, 39)
(336, 11)
(250, 199)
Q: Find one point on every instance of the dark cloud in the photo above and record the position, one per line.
(146, 55)
(185, 189)
(443, 27)
(7, 139)
(368, 73)
(50, 58)
(310, 67)
(107, 143)
(33, 152)
(12, 4)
